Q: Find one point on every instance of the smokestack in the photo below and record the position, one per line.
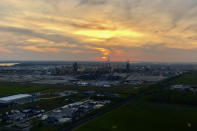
(108, 59)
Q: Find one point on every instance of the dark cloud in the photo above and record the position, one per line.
(92, 25)
(51, 37)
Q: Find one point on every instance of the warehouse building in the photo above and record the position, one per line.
(17, 99)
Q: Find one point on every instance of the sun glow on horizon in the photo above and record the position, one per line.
(106, 34)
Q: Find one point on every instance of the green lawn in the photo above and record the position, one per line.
(190, 79)
(7, 89)
(13, 88)
(145, 116)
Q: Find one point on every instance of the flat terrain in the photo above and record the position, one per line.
(15, 88)
(7, 89)
(177, 113)
(145, 116)
(190, 79)
(170, 110)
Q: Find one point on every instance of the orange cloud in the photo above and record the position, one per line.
(117, 52)
(103, 58)
(4, 50)
(103, 51)
(76, 51)
(116, 35)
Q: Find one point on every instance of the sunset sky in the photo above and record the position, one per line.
(86, 30)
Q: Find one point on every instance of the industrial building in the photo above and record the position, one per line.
(17, 99)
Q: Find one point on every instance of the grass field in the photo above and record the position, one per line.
(190, 79)
(145, 116)
(139, 115)
(142, 115)
(13, 88)
(7, 89)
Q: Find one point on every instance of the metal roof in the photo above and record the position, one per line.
(14, 97)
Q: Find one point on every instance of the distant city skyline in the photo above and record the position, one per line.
(93, 30)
